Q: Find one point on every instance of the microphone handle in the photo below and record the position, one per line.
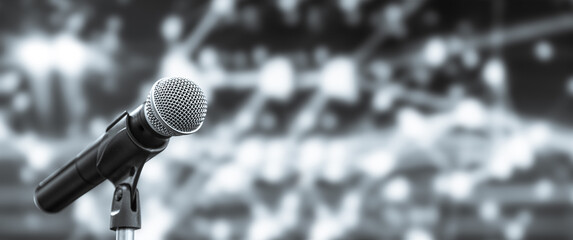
(70, 182)
(127, 143)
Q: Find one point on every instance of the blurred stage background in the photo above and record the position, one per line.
(327, 119)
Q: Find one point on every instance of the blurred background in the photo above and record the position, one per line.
(327, 119)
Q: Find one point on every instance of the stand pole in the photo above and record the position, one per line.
(125, 214)
(125, 234)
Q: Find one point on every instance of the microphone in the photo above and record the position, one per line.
(175, 106)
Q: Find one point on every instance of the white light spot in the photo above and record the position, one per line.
(489, 211)
(9, 82)
(179, 148)
(461, 185)
(208, 58)
(520, 152)
(97, 125)
(500, 165)
(276, 79)
(275, 168)
(349, 5)
(177, 63)
(381, 70)
(310, 158)
(42, 155)
(470, 58)
(325, 229)
(494, 74)
(350, 212)
(70, 55)
(5, 130)
(470, 113)
(155, 171)
(435, 52)
(543, 190)
(514, 231)
(418, 234)
(223, 7)
(21, 102)
(249, 153)
(289, 210)
(384, 99)
(336, 169)
(158, 215)
(412, 124)
(245, 121)
(378, 164)
(393, 17)
(263, 229)
(287, 6)
(228, 179)
(539, 134)
(543, 51)
(221, 230)
(34, 54)
(86, 213)
(397, 190)
(306, 121)
(171, 27)
(338, 80)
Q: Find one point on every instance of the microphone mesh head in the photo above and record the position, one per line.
(175, 106)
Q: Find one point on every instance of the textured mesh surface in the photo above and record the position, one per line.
(175, 106)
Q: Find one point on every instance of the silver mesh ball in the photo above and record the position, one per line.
(175, 106)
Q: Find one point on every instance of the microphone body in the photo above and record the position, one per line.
(127, 142)
(174, 107)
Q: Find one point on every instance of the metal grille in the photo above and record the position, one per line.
(175, 106)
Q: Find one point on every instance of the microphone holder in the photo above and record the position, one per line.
(125, 215)
(125, 212)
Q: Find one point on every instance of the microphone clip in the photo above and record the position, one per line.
(125, 208)
(125, 205)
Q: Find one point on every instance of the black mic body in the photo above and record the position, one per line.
(129, 141)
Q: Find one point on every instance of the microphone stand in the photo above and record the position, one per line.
(125, 215)
(125, 212)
